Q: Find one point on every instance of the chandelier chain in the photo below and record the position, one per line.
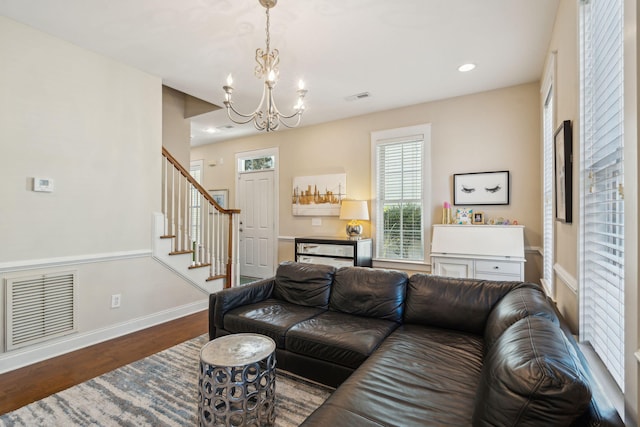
(268, 35)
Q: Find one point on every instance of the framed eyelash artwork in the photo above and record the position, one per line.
(481, 188)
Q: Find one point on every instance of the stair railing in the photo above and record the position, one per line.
(198, 225)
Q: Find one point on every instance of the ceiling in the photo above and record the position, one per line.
(402, 52)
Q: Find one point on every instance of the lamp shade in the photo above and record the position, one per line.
(354, 209)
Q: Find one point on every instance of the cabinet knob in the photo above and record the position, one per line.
(495, 267)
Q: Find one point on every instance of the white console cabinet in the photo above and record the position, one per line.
(489, 252)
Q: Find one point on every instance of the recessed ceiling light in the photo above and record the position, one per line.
(211, 130)
(466, 67)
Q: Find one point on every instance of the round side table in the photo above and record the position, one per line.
(237, 381)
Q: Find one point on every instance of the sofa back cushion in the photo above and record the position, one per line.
(369, 292)
(517, 304)
(451, 303)
(304, 284)
(531, 376)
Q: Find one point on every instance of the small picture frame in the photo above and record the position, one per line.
(464, 216)
(478, 218)
(220, 196)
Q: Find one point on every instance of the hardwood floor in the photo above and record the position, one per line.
(34, 382)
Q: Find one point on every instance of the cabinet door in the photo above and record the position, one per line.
(461, 268)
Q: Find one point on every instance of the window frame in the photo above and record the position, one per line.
(548, 98)
(382, 137)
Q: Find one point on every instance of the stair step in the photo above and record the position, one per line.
(168, 236)
(219, 276)
(199, 265)
(181, 252)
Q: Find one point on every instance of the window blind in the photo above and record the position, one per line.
(602, 261)
(548, 222)
(400, 205)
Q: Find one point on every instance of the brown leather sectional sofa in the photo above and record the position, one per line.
(419, 351)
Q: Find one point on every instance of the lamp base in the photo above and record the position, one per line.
(354, 230)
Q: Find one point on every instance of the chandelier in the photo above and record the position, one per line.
(266, 117)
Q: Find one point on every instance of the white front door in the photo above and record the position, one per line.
(257, 229)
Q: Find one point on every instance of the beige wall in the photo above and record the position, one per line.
(176, 130)
(564, 41)
(95, 127)
(496, 130)
(89, 124)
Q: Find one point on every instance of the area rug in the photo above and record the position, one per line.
(160, 390)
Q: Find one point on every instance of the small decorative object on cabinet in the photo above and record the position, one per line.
(464, 216)
(336, 251)
(492, 252)
(478, 218)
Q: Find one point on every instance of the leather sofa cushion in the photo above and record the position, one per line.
(337, 337)
(517, 304)
(451, 303)
(228, 299)
(534, 365)
(272, 318)
(419, 376)
(304, 284)
(369, 292)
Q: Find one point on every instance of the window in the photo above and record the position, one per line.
(548, 128)
(400, 176)
(601, 177)
(257, 163)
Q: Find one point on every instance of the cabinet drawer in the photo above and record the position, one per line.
(325, 249)
(336, 262)
(498, 267)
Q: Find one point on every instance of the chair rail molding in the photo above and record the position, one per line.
(566, 278)
(11, 266)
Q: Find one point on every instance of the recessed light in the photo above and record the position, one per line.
(466, 67)
(211, 130)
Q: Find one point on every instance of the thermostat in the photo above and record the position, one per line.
(43, 184)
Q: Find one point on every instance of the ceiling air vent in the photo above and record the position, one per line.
(358, 96)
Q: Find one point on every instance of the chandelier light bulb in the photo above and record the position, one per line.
(229, 80)
(271, 77)
(300, 85)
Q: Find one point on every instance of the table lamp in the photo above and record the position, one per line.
(354, 210)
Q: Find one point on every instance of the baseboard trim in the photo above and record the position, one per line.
(7, 267)
(24, 357)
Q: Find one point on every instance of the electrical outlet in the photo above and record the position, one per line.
(115, 300)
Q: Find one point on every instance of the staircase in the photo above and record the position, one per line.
(193, 235)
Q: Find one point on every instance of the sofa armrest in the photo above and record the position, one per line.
(231, 298)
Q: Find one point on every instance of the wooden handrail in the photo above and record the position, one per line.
(195, 183)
